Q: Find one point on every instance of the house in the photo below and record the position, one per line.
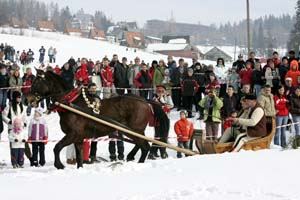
(176, 39)
(83, 21)
(97, 34)
(176, 50)
(152, 40)
(216, 53)
(133, 39)
(72, 31)
(46, 26)
(16, 23)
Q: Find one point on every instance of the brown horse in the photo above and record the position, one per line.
(132, 112)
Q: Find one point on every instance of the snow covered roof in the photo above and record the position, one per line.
(136, 38)
(177, 41)
(166, 47)
(230, 50)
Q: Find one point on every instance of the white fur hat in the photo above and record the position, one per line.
(39, 110)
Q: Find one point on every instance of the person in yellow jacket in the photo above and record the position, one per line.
(212, 116)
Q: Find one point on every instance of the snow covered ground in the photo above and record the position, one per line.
(262, 175)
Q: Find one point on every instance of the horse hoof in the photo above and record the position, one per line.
(129, 159)
(59, 166)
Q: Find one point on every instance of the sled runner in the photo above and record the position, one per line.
(210, 147)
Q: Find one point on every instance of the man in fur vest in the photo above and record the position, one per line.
(252, 124)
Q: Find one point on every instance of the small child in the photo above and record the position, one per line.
(184, 130)
(17, 139)
(228, 124)
(234, 79)
(38, 135)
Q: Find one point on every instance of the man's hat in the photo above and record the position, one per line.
(160, 87)
(250, 97)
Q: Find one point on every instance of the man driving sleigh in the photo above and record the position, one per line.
(249, 125)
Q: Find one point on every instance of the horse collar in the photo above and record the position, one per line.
(95, 105)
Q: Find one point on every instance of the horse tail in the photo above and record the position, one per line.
(162, 121)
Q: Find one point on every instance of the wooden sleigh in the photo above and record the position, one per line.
(209, 147)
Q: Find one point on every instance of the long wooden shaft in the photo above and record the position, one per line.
(185, 151)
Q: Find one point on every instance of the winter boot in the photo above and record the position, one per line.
(113, 158)
(151, 156)
(121, 157)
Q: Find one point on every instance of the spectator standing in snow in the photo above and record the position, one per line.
(221, 72)
(38, 135)
(184, 130)
(82, 74)
(27, 81)
(42, 54)
(121, 76)
(295, 110)
(3, 84)
(68, 75)
(143, 81)
(30, 55)
(51, 54)
(133, 71)
(107, 77)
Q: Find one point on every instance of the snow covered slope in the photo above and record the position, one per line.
(262, 175)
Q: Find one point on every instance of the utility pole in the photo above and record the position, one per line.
(248, 27)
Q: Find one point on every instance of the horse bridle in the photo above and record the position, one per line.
(39, 97)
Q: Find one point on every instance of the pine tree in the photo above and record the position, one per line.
(294, 41)
(254, 40)
(261, 39)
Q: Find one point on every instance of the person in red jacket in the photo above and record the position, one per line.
(82, 74)
(228, 124)
(143, 81)
(282, 114)
(184, 130)
(246, 74)
(293, 73)
(107, 77)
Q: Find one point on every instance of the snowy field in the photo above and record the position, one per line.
(262, 175)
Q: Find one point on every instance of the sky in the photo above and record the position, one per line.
(190, 11)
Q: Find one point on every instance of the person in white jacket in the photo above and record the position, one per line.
(221, 72)
(15, 110)
(17, 138)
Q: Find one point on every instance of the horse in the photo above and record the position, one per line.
(131, 112)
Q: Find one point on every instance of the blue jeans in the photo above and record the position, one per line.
(257, 89)
(296, 119)
(3, 97)
(280, 132)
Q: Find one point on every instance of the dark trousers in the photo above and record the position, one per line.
(188, 104)
(154, 147)
(17, 156)
(144, 93)
(176, 97)
(182, 145)
(112, 147)
(93, 151)
(223, 90)
(38, 148)
(120, 91)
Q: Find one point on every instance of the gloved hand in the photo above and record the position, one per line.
(45, 138)
(29, 140)
(16, 140)
(24, 140)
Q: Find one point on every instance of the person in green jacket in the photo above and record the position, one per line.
(212, 116)
(159, 74)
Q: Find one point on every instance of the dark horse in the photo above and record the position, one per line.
(131, 112)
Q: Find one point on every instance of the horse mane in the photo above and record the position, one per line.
(56, 78)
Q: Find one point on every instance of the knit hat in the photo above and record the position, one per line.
(184, 112)
(39, 110)
(15, 95)
(288, 79)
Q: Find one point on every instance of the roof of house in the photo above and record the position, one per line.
(167, 38)
(134, 39)
(69, 29)
(171, 47)
(46, 25)
(18, 23)
(216, 49)
(97, 34)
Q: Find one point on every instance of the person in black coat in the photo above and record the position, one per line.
(120, 76)
(283, 69)
(200, 78)
(68, 75)
(240, 63)
(3, 83)
(177, 77)
(189, 89)
(231, 102)
(72, 63)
